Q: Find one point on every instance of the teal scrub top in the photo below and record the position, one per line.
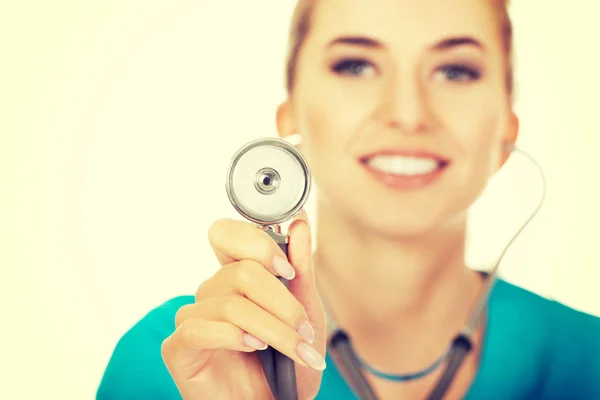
(534, 348)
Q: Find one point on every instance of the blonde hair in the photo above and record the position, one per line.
(301, 24)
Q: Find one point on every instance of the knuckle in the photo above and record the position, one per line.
(296, 314)
(182, 314)
(165, 349)
(202, 290)
(188, 334)
(216, 229)
(231, 307)
(246, 273)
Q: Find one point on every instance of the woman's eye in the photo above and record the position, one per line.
(354, 68)
(459, 73)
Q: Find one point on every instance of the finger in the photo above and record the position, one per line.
(187, 350)
(303, 215)
(199, 334)
(234, 240)
(303, 287)
(249, 279)
(300, 244)
(252, 319)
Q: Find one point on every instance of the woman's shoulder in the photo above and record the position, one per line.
(550, 312)
(136, 369)
(560, 343)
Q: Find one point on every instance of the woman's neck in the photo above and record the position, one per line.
(413, 294)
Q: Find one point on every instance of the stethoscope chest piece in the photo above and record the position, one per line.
(268, 181)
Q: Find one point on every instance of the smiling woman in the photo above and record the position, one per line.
(405, 112)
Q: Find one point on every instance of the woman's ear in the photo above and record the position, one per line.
(286, 125)
(510, 138)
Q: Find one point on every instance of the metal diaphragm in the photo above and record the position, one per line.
(268, 181)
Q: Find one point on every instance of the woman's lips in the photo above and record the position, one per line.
(405, 170)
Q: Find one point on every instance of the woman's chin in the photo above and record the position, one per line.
(396, 219)
(403, 225)
(403, 230)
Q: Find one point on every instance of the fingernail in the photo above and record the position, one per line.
(254, 342)
(284, 268)
(304, 215)
(311, 356)
(307, 332)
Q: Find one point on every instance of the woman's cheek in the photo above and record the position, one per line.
(326, 128)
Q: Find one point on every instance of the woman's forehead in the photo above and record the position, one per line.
(402, 21)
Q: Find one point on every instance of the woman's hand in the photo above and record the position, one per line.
(244, 308)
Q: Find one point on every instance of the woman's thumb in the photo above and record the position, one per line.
(303, 286)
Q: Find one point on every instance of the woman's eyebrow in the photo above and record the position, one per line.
(361, 41)
(458, 41)
(444, 44)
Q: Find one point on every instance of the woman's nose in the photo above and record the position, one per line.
(405, 105)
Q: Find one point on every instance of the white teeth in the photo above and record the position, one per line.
(399, 165)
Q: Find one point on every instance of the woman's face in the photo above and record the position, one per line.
(403, 109)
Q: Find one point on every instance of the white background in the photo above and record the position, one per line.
(117, 122)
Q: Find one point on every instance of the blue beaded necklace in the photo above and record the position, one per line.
(404, 377)
(333, 327)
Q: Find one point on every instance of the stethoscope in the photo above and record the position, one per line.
(268, 182)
